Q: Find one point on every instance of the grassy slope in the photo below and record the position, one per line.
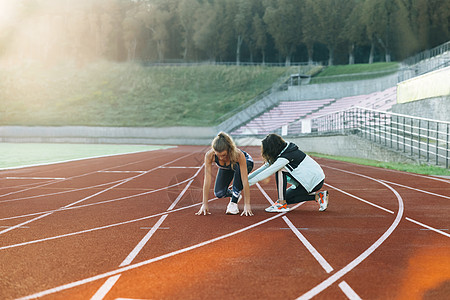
(108, 94)
(123, 94)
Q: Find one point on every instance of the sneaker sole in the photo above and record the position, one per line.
(277, 211)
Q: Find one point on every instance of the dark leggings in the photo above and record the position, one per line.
(291, 195)
(224, 178)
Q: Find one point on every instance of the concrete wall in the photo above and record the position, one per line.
(434, 108)
(430, 85)
(108, 135)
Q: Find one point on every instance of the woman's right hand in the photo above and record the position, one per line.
(204, 210)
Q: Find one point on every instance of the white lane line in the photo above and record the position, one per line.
(403, 173)
(360, 199)
(69, 178)
(186, 188)
(110, 282)
(180, 195)
(147, 228)
(24, 223)
(265, 194)
(78, 176)
(320, 259)
(61, 192)
(100, 228)
(100, 202)
(348, 291)
(179, 167)
(89, 197)
(5, 226)
(106, 171)
(142, 243)
(417, 190)
(325, 265)
(336, 276)
(429, 227)
(147, 262)
(391, 212)
(105, 288)
(38, 178)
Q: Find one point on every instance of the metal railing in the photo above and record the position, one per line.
(428, 54)
(425, 139)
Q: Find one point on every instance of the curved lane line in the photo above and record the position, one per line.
(339, 274)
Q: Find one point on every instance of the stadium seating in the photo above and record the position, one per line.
(285, 112)
(292, 112)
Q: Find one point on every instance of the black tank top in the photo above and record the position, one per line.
(216, 159)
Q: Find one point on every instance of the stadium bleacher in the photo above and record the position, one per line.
(285, 112)
(293, 112)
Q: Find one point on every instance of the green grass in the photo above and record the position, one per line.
(115, 94)
(418, 169)
(17, 155)
(354, 72)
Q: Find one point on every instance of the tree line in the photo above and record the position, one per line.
(260, 31)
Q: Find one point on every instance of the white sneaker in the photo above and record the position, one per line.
(277, 207)
(232, 209)
(323, 200)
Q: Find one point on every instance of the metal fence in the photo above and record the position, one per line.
(421, 138)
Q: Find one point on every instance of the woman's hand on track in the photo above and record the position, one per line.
(247, 211)
(204, 210)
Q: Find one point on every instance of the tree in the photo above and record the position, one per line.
(155, 19)
(259, 36)
(354, 33)
(242, 25)
(283, 21)
(379, 19)
(205, 32)
(309, 28)
(186, 12)
(131, 32)
(331, 16)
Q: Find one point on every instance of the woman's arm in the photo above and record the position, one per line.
(257, 171)
(204, 209)
(244, 176)
(268, 170)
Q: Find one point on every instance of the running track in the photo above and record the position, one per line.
(123, 227)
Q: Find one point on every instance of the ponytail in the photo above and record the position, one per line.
(224, 142)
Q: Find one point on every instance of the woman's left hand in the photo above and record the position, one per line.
(247, 210)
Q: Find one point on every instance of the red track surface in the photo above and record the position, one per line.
(125, 226)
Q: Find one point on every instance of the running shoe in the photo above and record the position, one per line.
(277, 207)
(323, 200)
(232, 208)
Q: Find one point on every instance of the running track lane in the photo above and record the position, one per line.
(378, 239)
